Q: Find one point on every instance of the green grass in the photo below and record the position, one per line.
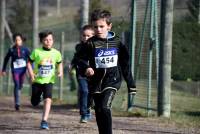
(185, 109)
(182, 101)
(67, 16)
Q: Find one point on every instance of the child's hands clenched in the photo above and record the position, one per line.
(89, 72)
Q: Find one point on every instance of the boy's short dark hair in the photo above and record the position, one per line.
(101, 14)
(87, 27)
(44, 34)
(20, 35)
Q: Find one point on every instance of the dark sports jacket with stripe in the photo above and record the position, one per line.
(106, 78)
(15, 53)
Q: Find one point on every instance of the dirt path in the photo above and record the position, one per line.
(64, 119)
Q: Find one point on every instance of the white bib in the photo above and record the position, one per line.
(45, 70)
(19, 63)
(106, 57)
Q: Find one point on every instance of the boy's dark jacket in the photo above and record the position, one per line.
(106, 78)
(75, 60)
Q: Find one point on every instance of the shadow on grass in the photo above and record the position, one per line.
(135, 111)
(64, 106)
(193, 113)
(66, 109)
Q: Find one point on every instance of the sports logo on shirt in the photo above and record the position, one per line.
(106, 57)
(45, 67)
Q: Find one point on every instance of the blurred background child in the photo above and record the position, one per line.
(84, 97)
(19, 55)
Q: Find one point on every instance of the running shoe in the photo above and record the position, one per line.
(83, 119)
(44, 125)
(17, 107)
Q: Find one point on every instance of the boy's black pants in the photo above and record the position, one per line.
(103, 103)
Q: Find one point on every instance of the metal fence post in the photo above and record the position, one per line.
(2, 38)
(61, 78)
(133, 41)
(164, 85)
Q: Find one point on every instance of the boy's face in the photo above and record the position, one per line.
(48, 41)
(86, 35)
(101, 28)
(18, 41)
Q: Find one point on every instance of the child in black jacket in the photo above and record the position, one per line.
(84, 96)
(107, 58)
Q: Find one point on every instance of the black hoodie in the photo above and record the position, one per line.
(109, 58)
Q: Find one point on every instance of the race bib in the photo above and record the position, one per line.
(45, 70)
(19, 63)
(106, 57)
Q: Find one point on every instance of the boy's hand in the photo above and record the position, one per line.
(132, 91)
(89, 72)
(60, 74)
(32, 77)
(3, 73)
(60, 70)
(69, 68)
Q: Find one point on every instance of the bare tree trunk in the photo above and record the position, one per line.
(84, 12)
(35, 5)
(58, 7)
(8, 30)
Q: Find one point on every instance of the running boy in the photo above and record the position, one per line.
(84, 98)
(107, 58)
(19, 55)
(46, 59)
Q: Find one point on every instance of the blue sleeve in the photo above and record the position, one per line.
(28, 53)
(6, 59)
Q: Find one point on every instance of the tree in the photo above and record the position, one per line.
(20, 18)
(84, 12)
(194, 10)
(35, 17)
(93, 4)
(186, 49)
(98, 4)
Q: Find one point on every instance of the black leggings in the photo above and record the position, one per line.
(103, 102)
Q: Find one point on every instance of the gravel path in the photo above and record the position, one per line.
(64, 119)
